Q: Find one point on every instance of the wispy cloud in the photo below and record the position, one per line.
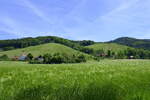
(98, 20)
(120, 10)
(10, 26)
(125, 5)
(36, 10)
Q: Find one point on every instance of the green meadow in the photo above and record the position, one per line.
(108, 46)
(104, 80)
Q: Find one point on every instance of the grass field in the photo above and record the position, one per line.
(42, 49)
(104, 80)
(108, 46)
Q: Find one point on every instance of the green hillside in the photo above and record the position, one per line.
(42, 49)
(108, 46)
(133, 42)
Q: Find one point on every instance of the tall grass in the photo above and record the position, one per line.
(106, 80)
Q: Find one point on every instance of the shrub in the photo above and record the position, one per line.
(80, 58)
(4, 58)
(60, 58)
(29, 57)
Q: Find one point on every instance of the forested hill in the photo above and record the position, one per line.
(132, 42)
(26, 42)
(77, 45)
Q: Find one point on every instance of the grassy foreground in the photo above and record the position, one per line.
(106, 80)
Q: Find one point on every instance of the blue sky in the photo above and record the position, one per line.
(99, 20)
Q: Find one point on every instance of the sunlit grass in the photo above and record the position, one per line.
(104, 80)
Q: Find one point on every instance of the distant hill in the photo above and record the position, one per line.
(43, 49)
(6, 45)
(108, 46)
(132, 42)
(26, 42)
(82, 46)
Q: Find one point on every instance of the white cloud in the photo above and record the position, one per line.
(36, 10)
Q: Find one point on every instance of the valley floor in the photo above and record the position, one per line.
(104, 80)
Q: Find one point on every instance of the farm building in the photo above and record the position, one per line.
(22, 57)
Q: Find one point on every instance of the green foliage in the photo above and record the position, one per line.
(87, 50)
(112, 50)
(137, 53)
(109, 53)
(4, 58)
(26, 42)
(8, 48)
(53, 59)
(132, 42)
(29, 57)
(63, 58)
(100, 52)
(85, 42)
(120, 55)
(80, 58)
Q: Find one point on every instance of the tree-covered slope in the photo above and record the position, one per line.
(26, 42)
(132, 42)
(42, 49)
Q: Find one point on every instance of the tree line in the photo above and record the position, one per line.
(56, 58)
(77, 45)
(26, 42)
(129, 53)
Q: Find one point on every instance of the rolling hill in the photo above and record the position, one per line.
(108, 46)
(12, 44)
(132, 42)
(42, 49)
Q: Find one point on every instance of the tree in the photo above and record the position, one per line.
(62, 58)
(99, 53)
(87, 50)
(29, 56)
(80, 58)
(47, 58)
(8, 48)
(130, 53)
(86, 42)
(4, 58)
(120, 55)
(108, 53)
(57, 59)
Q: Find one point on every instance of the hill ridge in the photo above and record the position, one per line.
(42, 49)
(77, 45)
(133, 42)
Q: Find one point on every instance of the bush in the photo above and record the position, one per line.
(60, 58)
(4, 58)
(29, 57)
(57, 59)
(80, 58)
